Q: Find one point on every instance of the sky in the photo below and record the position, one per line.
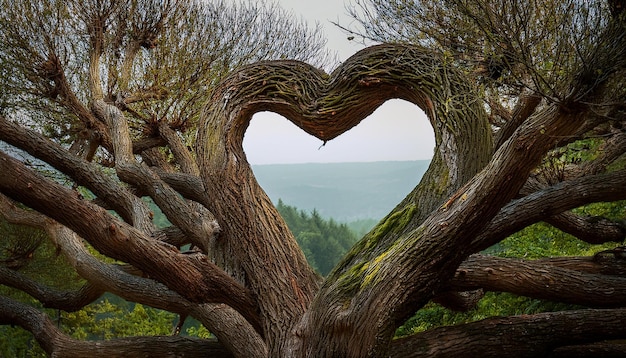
(398, 130)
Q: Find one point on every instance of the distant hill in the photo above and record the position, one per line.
(342, 191)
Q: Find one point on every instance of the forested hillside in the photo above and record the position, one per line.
(324, 242)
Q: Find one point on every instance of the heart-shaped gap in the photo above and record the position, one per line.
(397, 131)
(355, 179)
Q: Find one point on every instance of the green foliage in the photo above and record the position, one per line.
(198, 331)
(323, 242)
(536, 241)
(542, 240)
(105, 320)
(492, 305)
(18, 343)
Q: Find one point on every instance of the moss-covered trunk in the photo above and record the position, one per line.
(327, 106)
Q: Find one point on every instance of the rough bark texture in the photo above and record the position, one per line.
(518, 336)
(327, 106)
(250, 284)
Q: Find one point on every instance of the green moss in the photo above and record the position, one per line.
(367, 253)
(374, 267)
(443, 180)
(350, 281)
(393, 222)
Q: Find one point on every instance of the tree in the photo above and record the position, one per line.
(323, 242)
(512, 89)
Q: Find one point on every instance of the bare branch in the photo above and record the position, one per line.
(115, 239)
(183, 154)
(199, 224)
(538, 279)
(517, 336)
(56, 343)
(600, 349)
(594, 230)
(48, 296)
(551, 201)
(524, 109)
(84, 173)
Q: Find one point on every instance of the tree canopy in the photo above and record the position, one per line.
(129, 99)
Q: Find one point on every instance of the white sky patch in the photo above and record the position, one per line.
(398, 130)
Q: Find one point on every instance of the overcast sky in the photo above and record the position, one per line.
(398, 130)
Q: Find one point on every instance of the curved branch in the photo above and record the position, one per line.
(65, 300)
(196, 279)
(537, 279)
(199, 224)
(551, 201)
(422, 260)
(84, 173)
(237, 335)
(590, 229)
(56, 344)
(517, 336)
(11, 213)
(183, 156)
(224, 322)
(189, 186)
(326, 106)
(524, 109)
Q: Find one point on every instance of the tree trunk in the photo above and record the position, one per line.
(371, 77)
(251, 271)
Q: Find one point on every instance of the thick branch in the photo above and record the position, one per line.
(84, 173)
(194, 220)
(48, 296)
(11, 213)
(537, 279)
(189, 186)
(521, 112)
(183, 155)
(594, 230)
(603, 349)
(602, 263)
(551, 201)
(56, 344)
(196, 279)
(518, 336)
(224, 322)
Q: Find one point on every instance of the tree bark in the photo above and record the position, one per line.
(310, 99)
(517, 336)
(56, 344)
(197, 279)
(539, 279)
(252, 276)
